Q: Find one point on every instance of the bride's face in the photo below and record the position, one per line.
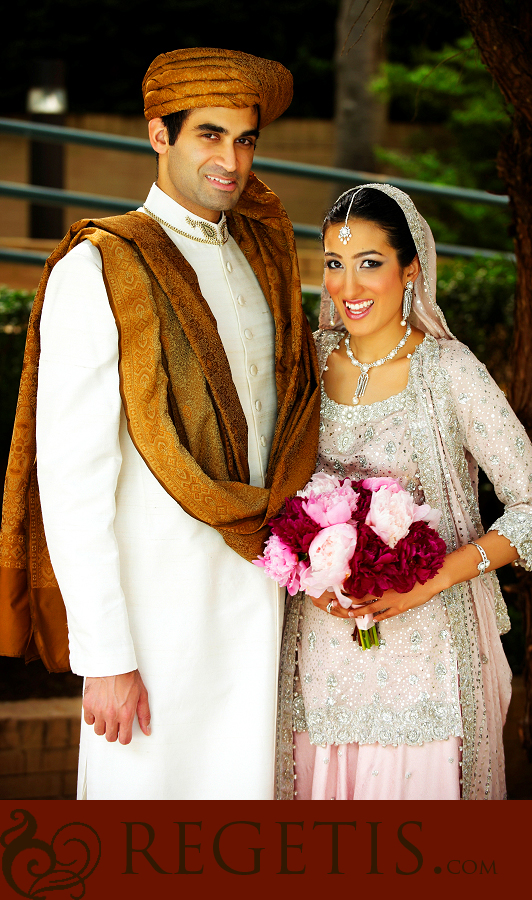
(364, 278)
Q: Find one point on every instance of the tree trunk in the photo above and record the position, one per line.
(503, 34)
(360, 116)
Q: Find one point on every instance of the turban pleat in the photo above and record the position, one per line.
(192, 78)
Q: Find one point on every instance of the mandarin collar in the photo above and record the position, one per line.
(171, 214)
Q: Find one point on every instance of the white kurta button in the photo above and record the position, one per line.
(229, 267)
(240, 300)
(263, 440)
(248, 333)
(253, 370)
(258, 405)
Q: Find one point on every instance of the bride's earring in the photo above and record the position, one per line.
(332, 313)
(407, 301)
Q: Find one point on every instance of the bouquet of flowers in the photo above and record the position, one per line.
(353, 537)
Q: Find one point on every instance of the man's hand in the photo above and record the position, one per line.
(110, 704)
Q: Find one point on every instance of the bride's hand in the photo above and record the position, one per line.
(335, 610)
(391, 603)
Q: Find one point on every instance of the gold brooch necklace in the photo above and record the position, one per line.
(210, 233)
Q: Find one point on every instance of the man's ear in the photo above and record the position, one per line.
(158, 134)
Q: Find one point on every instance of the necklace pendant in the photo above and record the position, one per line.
(362, 384)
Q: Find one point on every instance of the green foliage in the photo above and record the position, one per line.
(15, 309)
(477, 299)
(311, 308)
(452, 91)
(15, 306)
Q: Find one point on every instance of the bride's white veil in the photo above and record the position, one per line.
(426, 314)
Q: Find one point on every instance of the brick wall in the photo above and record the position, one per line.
(39, 741)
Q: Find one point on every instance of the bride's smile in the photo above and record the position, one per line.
(366, 282)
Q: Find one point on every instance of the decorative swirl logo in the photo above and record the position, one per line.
(34, 868)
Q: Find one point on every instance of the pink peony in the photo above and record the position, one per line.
(320, 483)
(426, 513)
(281, 564)
(392, 510)
(329, 555)
(334, 508)
(373, 484)
(391, 513)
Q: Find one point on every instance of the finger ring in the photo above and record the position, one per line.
(329, 606)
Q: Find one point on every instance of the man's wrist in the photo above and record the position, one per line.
(114, 675)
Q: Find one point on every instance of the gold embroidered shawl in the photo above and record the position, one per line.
(183, 411)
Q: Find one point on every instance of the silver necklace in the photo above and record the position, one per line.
(363, 378)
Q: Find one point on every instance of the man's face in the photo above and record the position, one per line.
(207, 168)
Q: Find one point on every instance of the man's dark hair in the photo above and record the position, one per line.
(174, 123)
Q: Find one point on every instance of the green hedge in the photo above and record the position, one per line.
(15, 309)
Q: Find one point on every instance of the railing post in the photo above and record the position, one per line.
(46, 103)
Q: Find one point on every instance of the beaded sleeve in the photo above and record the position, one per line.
(326, 342)
(495, 438)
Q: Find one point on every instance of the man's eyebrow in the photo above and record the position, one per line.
(219, 129)
(208, 127)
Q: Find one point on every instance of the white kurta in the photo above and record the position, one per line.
(145, 585)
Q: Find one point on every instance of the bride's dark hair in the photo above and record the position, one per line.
(374, 206)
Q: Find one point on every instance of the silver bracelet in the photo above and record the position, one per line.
(484, 563)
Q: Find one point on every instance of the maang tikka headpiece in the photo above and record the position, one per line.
(345, 232)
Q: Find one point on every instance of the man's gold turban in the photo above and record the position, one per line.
(192, 78)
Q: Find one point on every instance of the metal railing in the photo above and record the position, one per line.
(57, 197)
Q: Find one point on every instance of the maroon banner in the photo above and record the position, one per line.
(71, 849)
